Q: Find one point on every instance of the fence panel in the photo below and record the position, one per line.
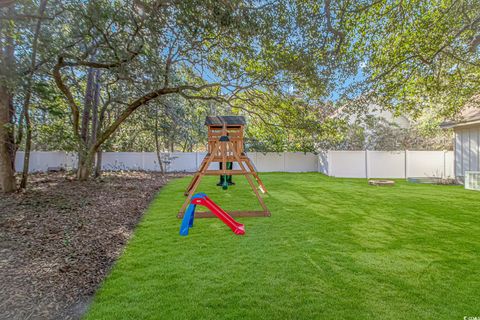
(384, 164)
(300, 162)
(182, 161)
(347, 164)
(323, 162)
(150, 161)
(425, 164)
(449, 164)
(40, 161)
(270, 162)
(122, 161)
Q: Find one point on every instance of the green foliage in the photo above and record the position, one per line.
(50, 116)
(421, 56)
(418, 58)
(375, 133)
(332, 249)
(178, 123)
(219, 52)
(287, 122)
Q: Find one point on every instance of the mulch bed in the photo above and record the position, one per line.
(59, 239)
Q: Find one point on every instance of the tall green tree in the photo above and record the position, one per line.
(20, 23)
(411, 57)
(7, 111)
(196, 49)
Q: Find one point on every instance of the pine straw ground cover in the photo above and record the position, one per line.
(332, 249)
(59, 239)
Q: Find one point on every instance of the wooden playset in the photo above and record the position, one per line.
(225, 145)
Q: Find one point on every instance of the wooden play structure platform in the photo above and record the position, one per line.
(225, 144)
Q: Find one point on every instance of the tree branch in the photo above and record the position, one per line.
(100, 65)
(68, 95)
(330, 27)
(143, 100)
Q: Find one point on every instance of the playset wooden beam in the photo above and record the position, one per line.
(225, 144)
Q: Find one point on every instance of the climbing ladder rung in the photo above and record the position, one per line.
(226, 172)
(225, 145)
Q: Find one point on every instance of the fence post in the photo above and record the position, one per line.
(329, 163)
(366, 163)
(406, 169)
(444, 175)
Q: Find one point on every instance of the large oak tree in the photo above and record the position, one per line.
(409, 56)
(202, 50)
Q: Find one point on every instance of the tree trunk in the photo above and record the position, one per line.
(7, 141)
(85, 165)
(28, 94)
(185, 146)
(85, 156)
(95, 103)
(83, 173)
(89, 96)
(157, 147)
(7, 172)
(98, 165)
(159, 157)
(96, 123)
(28, 147)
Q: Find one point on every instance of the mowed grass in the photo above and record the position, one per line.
(332, 249)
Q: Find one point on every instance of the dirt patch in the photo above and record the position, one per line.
(59, 239)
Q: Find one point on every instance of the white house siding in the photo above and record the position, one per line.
(467, 149)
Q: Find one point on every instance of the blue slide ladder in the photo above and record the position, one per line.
(189, 215)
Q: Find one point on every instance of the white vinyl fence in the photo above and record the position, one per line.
(41, 161)
(348, 164)
(175, 162)
(389, 164)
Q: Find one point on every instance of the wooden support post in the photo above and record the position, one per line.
(255, 174)
(250, 182)
(197, 174)
(225, 144)
(195, 183)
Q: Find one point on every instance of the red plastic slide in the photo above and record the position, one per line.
(236, 227)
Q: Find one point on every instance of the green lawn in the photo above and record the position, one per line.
(333, 249)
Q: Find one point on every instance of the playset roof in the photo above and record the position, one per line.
(228, 120)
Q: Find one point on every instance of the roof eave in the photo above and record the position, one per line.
(449, 125)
